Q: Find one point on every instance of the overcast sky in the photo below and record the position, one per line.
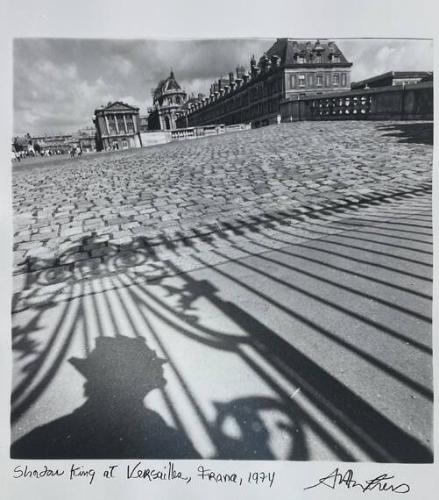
(58, 83)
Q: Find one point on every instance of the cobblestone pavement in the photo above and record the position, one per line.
(302, 338)
(91, 210)
(284, 273)
(150, 264)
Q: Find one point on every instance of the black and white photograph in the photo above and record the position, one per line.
(222, 249)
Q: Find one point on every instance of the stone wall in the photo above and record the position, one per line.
(154, 138)
(399, 102)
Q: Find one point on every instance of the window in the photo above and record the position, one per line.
(319, 80)
(318, 60)
(300, 59)
(301, 80)
(111, 124)
(343, 79)
(336, 79)
(177, 100)
(336, 59)
(124, 144)
(292, 81)
(130, 123)
(119, 123)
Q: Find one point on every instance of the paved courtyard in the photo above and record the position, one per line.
(284, 274)
(91, 208)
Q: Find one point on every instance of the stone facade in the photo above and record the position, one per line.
(168, 99)
(54, 142)
(84, 139)
(288, 70)
(144, 123)
(117, 126)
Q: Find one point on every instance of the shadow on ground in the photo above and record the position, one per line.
(114, 423)
(411, 133)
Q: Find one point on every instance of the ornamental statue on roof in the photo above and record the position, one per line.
(168, 100)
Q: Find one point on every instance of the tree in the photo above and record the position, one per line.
(17, 145)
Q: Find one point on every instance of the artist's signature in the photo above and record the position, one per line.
(383, 482)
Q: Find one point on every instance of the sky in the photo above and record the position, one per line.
(58, 83)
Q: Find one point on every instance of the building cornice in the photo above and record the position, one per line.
(317, 66)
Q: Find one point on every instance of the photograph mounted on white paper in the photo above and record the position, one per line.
(222, 249)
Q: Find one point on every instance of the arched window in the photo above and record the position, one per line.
(167, 123)
(178, 100)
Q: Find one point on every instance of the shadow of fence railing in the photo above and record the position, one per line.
(132, 291)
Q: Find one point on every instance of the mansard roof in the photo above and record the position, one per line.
(289, 51)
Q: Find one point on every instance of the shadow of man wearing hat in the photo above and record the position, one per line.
(113, 422)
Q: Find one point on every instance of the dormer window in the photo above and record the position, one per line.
(318, 59)
(300, 59)
(335, 59)
(318, 47)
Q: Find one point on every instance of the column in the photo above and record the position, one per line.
(134, 123)
(106, 123)
(125, 123)
(116, 122)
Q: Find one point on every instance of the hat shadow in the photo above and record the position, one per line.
(113, 422)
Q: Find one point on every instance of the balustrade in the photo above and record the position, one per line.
(333, 107)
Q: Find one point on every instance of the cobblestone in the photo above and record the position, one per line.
(190, 189)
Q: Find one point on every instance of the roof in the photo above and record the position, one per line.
(393, 74)
(51, 137)
(85, 133)
(117, 106)
(168, 85)
(289, 50)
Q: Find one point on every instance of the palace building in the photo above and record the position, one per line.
(289, 70)
(168, 99)
(117, 126)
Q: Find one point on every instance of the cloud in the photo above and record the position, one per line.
(59, 97)
(373, 57)
(58, 83)
(121, 65)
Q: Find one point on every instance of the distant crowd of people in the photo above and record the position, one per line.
(31, 153)
(76, 151)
